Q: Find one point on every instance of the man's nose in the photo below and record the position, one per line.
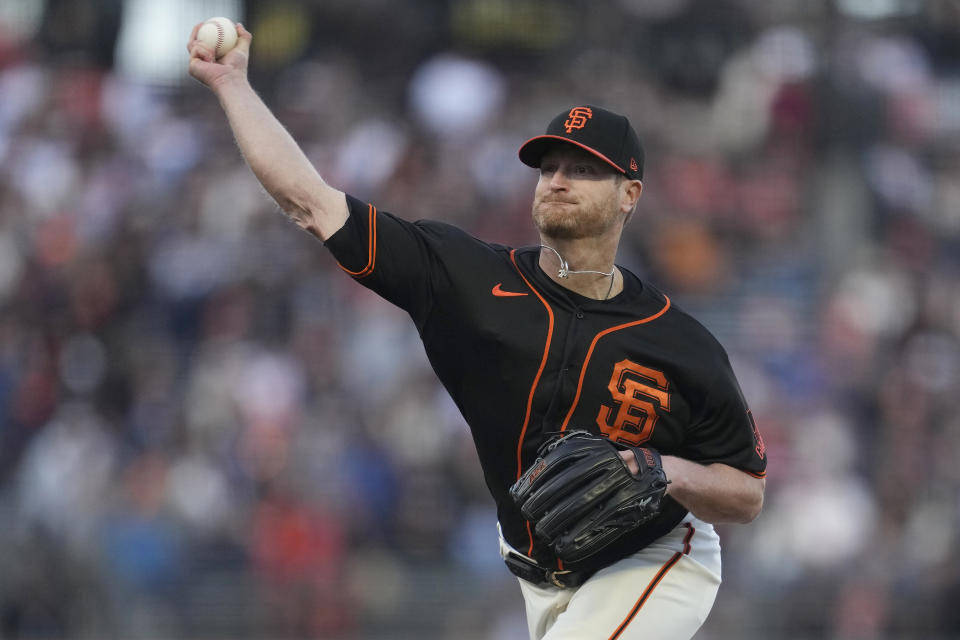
(559, 179)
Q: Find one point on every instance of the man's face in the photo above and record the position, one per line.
(578, 195)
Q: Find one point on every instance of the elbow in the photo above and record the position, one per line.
(743, 507)
(319, 210)
(305, 220)
(753, 504)
(753, 509)
(297, 210)
(742, 510)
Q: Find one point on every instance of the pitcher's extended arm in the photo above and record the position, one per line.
(272, 153)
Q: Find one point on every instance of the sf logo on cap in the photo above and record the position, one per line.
(578, 118)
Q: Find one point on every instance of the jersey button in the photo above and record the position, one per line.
(579, 315)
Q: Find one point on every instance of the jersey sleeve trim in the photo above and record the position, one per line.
(536, 381)
(593, 344)
(372, 247)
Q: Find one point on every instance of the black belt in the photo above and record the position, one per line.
(527, 569)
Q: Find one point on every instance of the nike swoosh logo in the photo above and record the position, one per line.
(500, 293)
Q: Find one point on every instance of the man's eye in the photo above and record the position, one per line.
(583, 170)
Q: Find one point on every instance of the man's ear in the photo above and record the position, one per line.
(632, 191)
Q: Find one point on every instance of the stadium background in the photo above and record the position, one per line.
(208, 431)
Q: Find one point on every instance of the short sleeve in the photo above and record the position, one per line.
(725, 431)
(407, 263)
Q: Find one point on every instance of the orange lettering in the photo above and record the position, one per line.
(637, 391)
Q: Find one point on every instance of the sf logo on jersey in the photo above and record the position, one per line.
(637, 391)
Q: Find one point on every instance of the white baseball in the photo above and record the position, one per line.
(220, 34)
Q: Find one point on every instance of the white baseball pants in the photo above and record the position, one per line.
(663, 592)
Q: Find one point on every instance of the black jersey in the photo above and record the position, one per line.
(523, 357)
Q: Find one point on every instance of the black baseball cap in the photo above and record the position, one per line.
(603, 133)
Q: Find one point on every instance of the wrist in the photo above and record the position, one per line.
(229, 84)
(673, 469)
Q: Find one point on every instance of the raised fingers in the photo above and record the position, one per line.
(193, 37)
(243, 38)
(198, 49)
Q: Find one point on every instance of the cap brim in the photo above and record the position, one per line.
(531, 152)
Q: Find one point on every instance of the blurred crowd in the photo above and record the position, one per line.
(207, 430)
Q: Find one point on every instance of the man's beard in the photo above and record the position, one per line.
(573, 221)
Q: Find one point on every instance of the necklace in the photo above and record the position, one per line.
(565, 270)
(613, 278)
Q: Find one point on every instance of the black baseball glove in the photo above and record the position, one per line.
(581, 496)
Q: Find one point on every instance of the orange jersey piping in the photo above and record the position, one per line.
(371, 249)
(536, 381)
(586, 361)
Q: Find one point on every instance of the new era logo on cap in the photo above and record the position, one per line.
(603, 133)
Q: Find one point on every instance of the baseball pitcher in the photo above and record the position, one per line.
(611, 430)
